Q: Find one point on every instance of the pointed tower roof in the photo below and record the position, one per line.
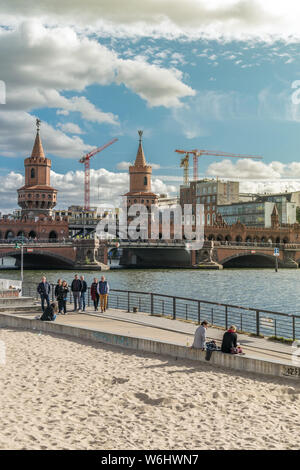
(140, 157)
(38, 150)
(275, 210)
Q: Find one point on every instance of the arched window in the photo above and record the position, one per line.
(145, 181)
(32, 173)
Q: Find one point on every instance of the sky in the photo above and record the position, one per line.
(218, 75)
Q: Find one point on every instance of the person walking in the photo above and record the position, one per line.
(200, 336)
(44, 291)
(103, 291)
(62, 295)
(76, 289)
(82, 293)
(229, 343)
(94, 294)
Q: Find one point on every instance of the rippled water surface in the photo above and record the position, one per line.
(261, 288)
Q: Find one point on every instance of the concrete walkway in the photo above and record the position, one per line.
(143, 325)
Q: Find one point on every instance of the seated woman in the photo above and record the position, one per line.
(200, 336)
(50, 312)
(229, 343)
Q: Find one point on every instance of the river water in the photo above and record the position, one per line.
(259, 288)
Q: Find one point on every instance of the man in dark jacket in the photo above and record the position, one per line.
(229, 340)
(76, 290)
(82, 293)
(44, 291)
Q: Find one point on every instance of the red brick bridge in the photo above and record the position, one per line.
(59, 254)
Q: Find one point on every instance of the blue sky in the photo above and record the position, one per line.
(226, 86)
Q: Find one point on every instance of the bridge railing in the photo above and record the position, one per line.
(246, 319)
(11, 241)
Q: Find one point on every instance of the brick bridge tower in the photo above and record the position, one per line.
(37, 197)
(140, 180)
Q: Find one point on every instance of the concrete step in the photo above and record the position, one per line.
(20, 309)
(14, 301)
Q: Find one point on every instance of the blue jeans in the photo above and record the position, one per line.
(82, 301)
(43, 298)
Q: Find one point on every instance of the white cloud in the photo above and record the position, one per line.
(254, 170)
(70, 128)
(17, 137)
(216, 19)
(47, 61)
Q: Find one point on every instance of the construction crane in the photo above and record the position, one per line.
(185, 164)
(86, 160)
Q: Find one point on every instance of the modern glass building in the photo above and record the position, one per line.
(257, 213)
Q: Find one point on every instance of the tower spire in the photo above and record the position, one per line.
(140, 157)
(38, 151)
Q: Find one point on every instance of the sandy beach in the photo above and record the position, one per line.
(58, 393)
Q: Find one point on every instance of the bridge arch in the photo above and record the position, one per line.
(9, 234)
(52, 235)
(32, 234)
(247, 260)
(39, 259)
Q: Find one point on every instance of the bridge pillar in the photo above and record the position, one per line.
(91, 254)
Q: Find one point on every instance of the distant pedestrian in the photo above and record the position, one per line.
(44, 291)
(76, 290)
(82, 293)
(62, 295)
(229, 343)
(200, 336)
(94, 294)
(50, 312)
(103, 291)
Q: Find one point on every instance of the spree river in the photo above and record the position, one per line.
(260, 288)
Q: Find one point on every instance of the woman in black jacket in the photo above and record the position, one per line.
(62, 295)
(229, 340)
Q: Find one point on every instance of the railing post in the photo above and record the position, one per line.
(128, 301)
(294, 328)
(257, 322)
(212, 316)
(174, 308)
(199, 312)
(226, 317)
(151, 304)
(186, 311)
(275, 327)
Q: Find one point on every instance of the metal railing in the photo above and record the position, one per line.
(250, 320)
